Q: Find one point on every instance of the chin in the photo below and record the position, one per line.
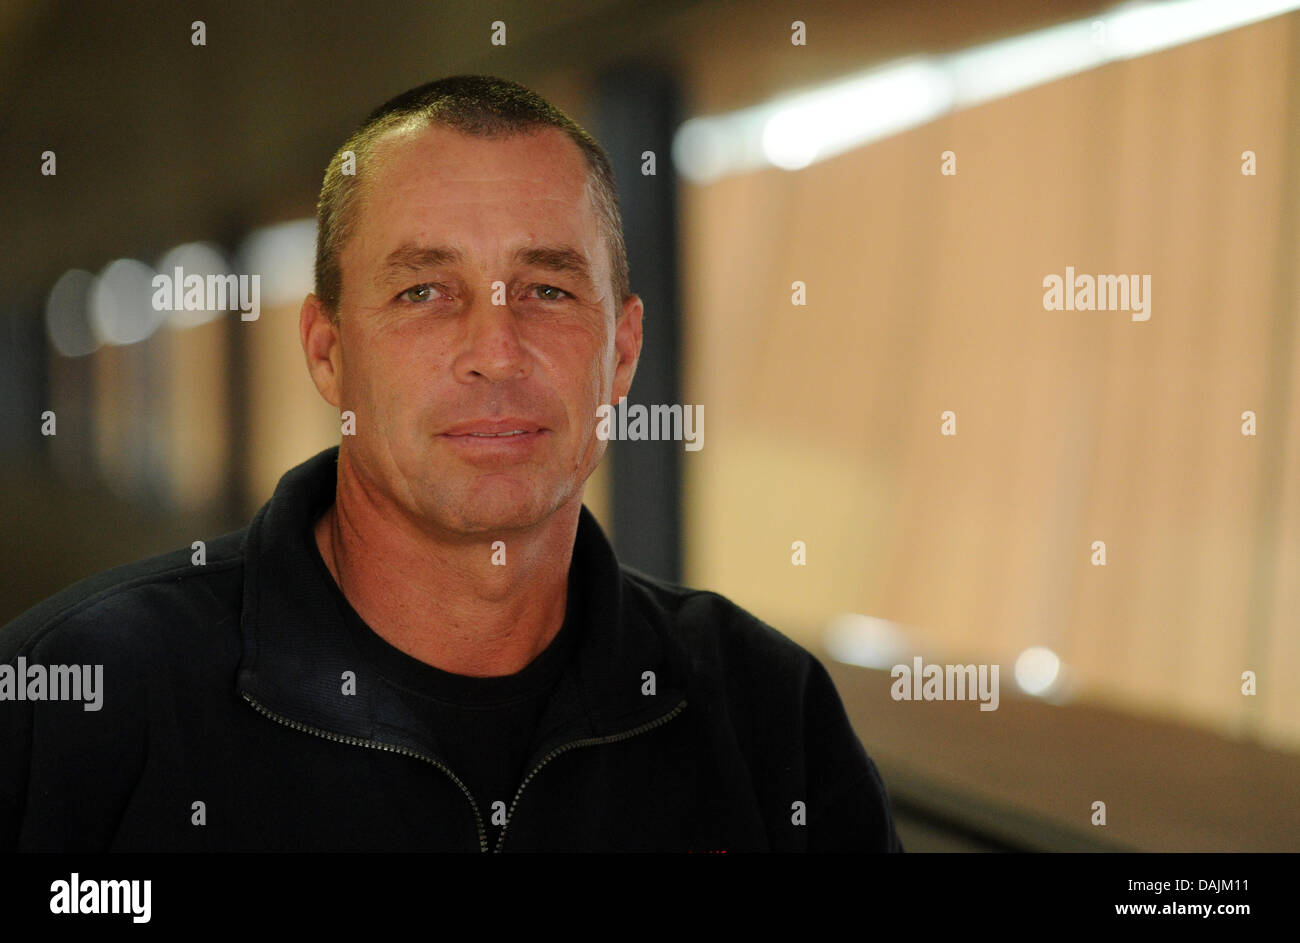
(490, 510)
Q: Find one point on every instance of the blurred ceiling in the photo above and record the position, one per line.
(160, 142)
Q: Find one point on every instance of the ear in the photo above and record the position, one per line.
(627, 346)
(322, 345)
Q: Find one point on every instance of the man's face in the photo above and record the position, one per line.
(476, 300)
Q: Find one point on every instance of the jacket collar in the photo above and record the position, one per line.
(296, 648)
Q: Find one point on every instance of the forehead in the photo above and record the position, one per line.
(436, 177)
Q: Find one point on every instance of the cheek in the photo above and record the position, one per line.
(588, 386)
(572, 358)
(378, 380)
(599, 365)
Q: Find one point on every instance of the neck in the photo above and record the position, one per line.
(443, 601)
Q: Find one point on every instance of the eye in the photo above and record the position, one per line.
(551, 293)
(418, 293)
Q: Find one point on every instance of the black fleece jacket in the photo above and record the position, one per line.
(679, 723)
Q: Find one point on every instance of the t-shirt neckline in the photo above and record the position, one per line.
(428, 681)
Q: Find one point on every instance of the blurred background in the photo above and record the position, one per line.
(920, 168)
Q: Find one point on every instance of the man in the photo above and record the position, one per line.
(424, 641)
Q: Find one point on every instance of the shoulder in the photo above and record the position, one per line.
(723, 639)
(119, 606)
(781, 706)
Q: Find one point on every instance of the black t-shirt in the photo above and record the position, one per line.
(483, 727)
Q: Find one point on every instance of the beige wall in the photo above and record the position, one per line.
(925, 295)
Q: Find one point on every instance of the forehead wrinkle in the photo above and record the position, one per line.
(410, 146)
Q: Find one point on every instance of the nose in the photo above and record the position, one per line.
(492, 346)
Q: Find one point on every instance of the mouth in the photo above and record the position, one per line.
(489, 435)
(495, 438)
(501, 428)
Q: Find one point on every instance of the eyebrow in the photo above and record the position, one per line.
(410, 257)
(556, 259)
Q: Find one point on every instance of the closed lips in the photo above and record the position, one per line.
(500, 427)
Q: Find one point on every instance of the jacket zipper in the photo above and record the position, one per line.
(376, 745)
(590, 741)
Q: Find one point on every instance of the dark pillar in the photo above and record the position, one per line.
(637, 111)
